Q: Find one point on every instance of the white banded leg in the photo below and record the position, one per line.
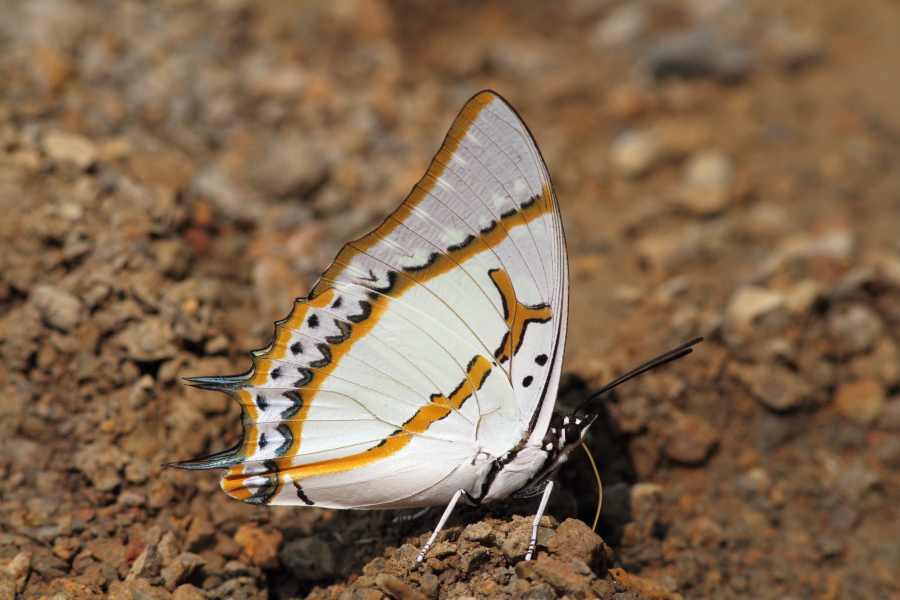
(537, 520)
(440, 525)
(412, 517)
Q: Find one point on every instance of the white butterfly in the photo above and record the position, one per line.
(424, 366)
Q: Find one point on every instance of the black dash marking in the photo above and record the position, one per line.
(296, 348)
(343, 335)
(386, 289)
(326, 357)
(366, 308)
(530, 202)
(261, 402)
(541, 359)
(313, 321)
(285, 430)
(489, 228)
(305, 377)
(431, 260)
(508, 214)
(527, 381)
(469, 239)
(302, 495)
(275, 373)
(263, 441)
(337, 303)
(296, 404)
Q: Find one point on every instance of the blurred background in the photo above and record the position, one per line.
(173, 174)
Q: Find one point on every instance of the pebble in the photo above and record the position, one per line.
(623, 25)
(67, 147)
(793, 48)
(774, 386)
(707, 181)
(574, 539)
(634, 152)
(890, 416)
(148, 564)
(689, 440)
(647, 513)
(855, 329)
(188, 592)
(565, 576)
(102, 463)
(480, 533)
(397, 588)
(748, 303)
(152, 339)
(802, 296)
(308, 558)
(59, 309)
(181, 569)
(861, 401)
(290, 167)
(700, 52)
(259, 545)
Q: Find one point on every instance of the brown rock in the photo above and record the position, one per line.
(861, 402)
(260, 546)
(689, 440)
(774, 386)
(149, 340)
(187, 592)
(69, 588)
(181, 569)
(575, 540)
(66, 147)
(566, 576)
(59, 309)
(397, 588)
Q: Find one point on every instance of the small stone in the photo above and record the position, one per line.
(480, 533)
(102, 464)
(397, 588)
(861, 402)
(201, 533)
(634, 153)
(430, 585)
(689, 440)
(802, 296)
(623, 25)
(543, 591)
(890, 416)
(66, 547)
(470, 562)
(181, 569)
(66, 147)
(290, 167)
(774, 386)
(150, 340)
(566, 576)
(173, 257)
(147, 565)
(188, 592)
(793, 48)
(889, 453)
(575, 540)
(700, 52)
(260, 545)
(59, 309)
(516, 543)
(856, 329)
(707, 182)
(647, 511)
(308, 558)
(749, 303)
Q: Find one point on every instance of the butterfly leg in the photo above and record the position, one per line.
(412, 517)
(537, 520)
(440, 524)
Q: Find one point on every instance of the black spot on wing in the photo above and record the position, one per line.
(337, 303)
(527, 381)
(541, 359)
(263, 441)
(489, 228)
(296, 348)
(261, 402)
(275, 373)
(302, 495)
(313, 321)
(431, 260)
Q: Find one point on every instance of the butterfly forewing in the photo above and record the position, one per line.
(428, 348)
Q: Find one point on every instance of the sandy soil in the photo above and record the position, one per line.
(173, 174)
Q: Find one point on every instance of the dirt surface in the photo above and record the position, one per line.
(173, 174)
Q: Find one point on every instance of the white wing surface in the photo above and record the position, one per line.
(430, 347)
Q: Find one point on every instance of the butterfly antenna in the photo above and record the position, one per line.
(660, 360)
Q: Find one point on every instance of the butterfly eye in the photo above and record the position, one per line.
(573, 432)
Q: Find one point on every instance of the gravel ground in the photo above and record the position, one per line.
(173, 174)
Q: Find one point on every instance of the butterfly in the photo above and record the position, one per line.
(423, 367)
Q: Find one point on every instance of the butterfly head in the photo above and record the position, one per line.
(565, 433)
